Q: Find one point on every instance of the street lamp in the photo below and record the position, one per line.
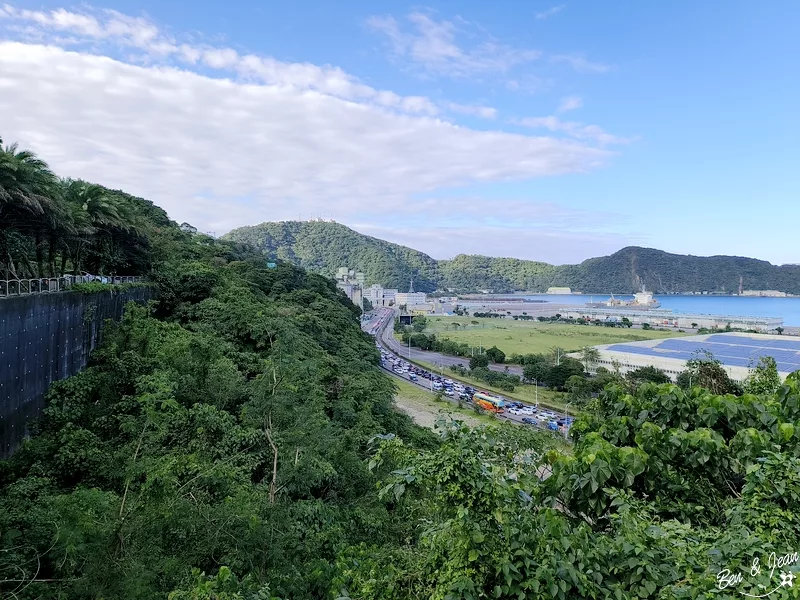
(536, 384)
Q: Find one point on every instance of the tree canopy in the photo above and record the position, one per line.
(51, 227)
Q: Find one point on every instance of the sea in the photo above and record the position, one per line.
(739, 306)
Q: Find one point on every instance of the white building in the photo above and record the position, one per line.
(379, 296)
(409, 298)
(351, 283)
(352, 291)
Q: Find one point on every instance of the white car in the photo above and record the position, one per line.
(527, 410)
(513, 411)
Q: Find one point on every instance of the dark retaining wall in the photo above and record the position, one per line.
(45, 338)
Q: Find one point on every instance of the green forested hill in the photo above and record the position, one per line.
(628, 269)
(324, 246)
(475, 272)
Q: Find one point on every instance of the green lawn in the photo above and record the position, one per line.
(523, 393)
(421, 406)
(532, 337)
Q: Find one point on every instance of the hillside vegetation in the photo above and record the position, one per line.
(236, 440)
(52, 226)
(324, 246)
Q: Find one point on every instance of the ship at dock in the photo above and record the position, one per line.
(641, 301)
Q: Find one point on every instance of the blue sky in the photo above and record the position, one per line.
(543, 130)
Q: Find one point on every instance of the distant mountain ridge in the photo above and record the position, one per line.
(324, 246)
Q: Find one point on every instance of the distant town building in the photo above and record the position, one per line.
(351, 283)
(559, 290)
(380, 296)
(352, 291)
(410, 298)
(421, 309)
(764, 293)
(667, 318)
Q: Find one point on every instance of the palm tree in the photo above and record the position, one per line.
(96, 213)
(27, 191)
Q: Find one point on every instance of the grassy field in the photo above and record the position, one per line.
(421, 406)
(523, 393)
(532, 337)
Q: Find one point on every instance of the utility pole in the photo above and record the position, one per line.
(566, 425)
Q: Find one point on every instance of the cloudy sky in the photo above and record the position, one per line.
(541, 130)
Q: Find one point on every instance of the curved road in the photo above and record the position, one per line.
(434, 358)
(379, 324)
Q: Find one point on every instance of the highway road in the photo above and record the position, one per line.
(434, 358)
(380, 324)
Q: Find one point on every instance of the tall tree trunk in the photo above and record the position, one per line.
(51, 255)
(76, 258)
(37, 239)
(12, 272)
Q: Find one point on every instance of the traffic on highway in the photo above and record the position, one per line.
(376, 322)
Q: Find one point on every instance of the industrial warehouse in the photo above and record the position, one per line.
(736, 351)
(667, 318)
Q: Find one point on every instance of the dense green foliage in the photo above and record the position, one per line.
(473, 273)
(229, 424)
(50, 226)
(666, 495)
(323, 247)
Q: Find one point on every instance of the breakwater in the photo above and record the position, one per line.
(46, 338)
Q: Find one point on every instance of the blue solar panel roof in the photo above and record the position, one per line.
(730, 350)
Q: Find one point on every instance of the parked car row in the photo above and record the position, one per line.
(530, 415)
(438, 383)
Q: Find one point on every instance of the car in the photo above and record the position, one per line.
(552, 425)
(412, 377)
(513, 411)
(448, 392)
(530, 421)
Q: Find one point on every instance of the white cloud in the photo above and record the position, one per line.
(550, 12)
(484, 112)
(105, 30)
(580, 64)
(222, 153)
(471, 210)
(570, 103)
(574, 129)
(432, 45)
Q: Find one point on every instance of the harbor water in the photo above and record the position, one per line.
(742, 306)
